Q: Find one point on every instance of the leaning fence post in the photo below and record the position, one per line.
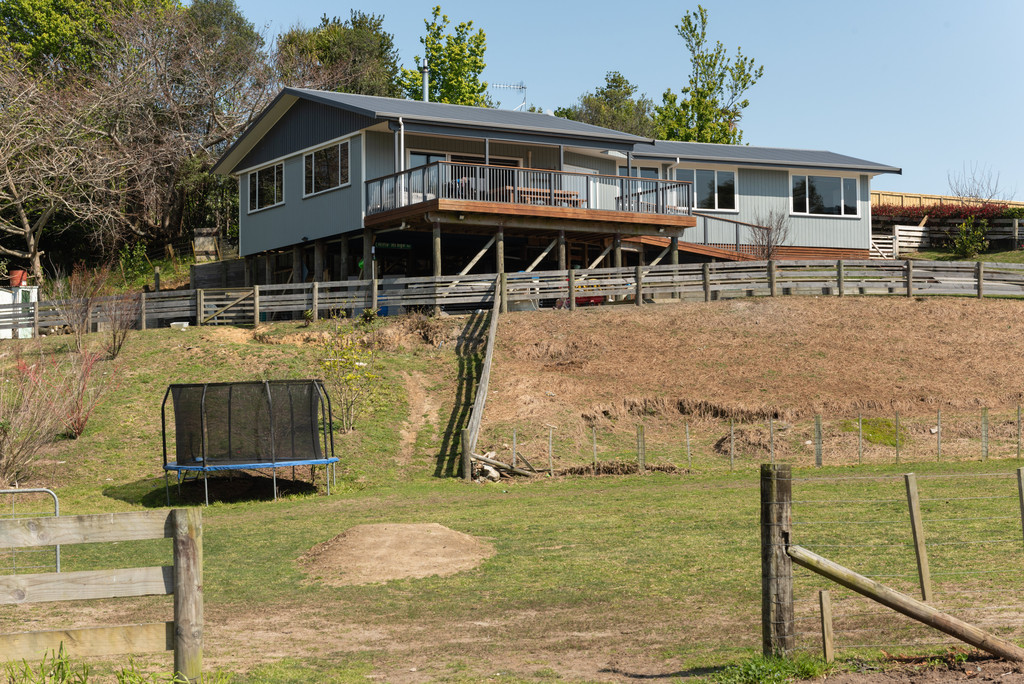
(777, 633)
(467, 467)
(827, 645)
(188, 593)
(914, 503)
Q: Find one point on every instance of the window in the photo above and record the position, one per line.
(326, 169)
(825, 195)
(712, 189)
(266, 187)
(640, 171)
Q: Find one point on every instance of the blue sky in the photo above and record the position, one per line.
(926, 86)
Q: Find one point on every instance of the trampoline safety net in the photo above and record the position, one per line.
(221, 424)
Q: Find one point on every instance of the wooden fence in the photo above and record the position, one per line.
(913, 238)
(183, 635)
(910, 199)
(471, 432)
(235, 306)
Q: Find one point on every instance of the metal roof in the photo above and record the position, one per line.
(758, 156)
(391, 109)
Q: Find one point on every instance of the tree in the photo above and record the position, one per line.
(976, 184)
(456, 61)
(769, 233)
(352, 56)
(711, 106)
(614, 106)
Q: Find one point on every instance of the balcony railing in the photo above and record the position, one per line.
(506, 185)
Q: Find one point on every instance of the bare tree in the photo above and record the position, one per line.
(977, 184)
(121, 313)
(75, 297)
(770, 233)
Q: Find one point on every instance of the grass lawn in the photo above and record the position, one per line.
(592, 579)
(1009, 256)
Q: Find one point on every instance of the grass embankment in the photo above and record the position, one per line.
(593, 579)
(1006, 256)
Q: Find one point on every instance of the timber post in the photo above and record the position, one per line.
(142, 314)
(200, 306)
(188, 593)
(827, 641)
(772, 289)
(638, 274)
(467, 466)
(777, 632)
(841, 277)
(315, 304)
(673, 259)
(910, 278)
(920, 550)
(373, 286)
(706, 274)
(255, 305)
(980, 272)
(503, 285)
(436, 248)
(572, 289)
(35, 315)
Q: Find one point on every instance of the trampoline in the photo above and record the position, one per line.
(247, 426)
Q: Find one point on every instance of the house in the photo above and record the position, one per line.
(332, 183)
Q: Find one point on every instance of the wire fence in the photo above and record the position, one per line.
(682, 436)
(966, 560)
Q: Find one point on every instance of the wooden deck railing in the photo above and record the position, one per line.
(722, 280)
(513, 185)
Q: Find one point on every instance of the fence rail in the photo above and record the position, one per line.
(233, 306)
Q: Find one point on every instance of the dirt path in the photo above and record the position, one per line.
(423, 408)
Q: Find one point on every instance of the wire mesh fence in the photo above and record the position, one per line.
(966, 560)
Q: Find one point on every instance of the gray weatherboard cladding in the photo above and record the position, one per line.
(319, 216)
(304, 125)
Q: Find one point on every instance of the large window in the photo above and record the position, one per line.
(266, 187)
(825, 195)
(326, 169)
(713, 189)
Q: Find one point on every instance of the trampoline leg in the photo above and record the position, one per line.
(206, 488)
(167, 488)
(327, 477)
(178, 477)
(275, 484)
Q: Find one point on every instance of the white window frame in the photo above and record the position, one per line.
(348, 169)
(842, 190)
(253, 177)
(692, 171)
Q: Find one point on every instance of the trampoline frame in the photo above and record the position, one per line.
(326, 433)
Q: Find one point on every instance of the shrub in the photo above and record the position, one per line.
(970, 240)
(75, 297)
(121, 313)
(348, 369)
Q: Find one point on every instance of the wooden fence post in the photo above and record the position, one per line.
(921, 550)
(817, 440)
(200, 305)
(777, 632)
(255, 305)
(503, 284)
(980, 272)
(142, 311)
(706, 273)
(841, 277)
(188, 593)
(572, 289)
(467, 466)
(315, 308)
(910, 278)
(772, 291)
(35, 316)
(373, 286)
(639, 277)
(1016, 243)
(827, 646)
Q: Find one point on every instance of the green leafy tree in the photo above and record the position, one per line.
(709, 109)
(67, 33)
(456, 61)
(352, 56)
(614, 105)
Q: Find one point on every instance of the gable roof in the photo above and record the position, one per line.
(425, 116)
(745, 155)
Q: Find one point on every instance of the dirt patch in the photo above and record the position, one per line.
(977, 667)
(422, 411)
(377, 553)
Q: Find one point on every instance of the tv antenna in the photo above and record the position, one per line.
(514, 86)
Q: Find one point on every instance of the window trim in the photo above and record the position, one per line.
(249, 180)
(830, 174)
(348, 157)
(716, 168)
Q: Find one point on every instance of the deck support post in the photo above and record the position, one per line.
(268, 269)
(367, 253)
(616, 258)
(561, 251)
(319, 250)
(343, 274)
(777, 633)
(499, 250)
(297, 254)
